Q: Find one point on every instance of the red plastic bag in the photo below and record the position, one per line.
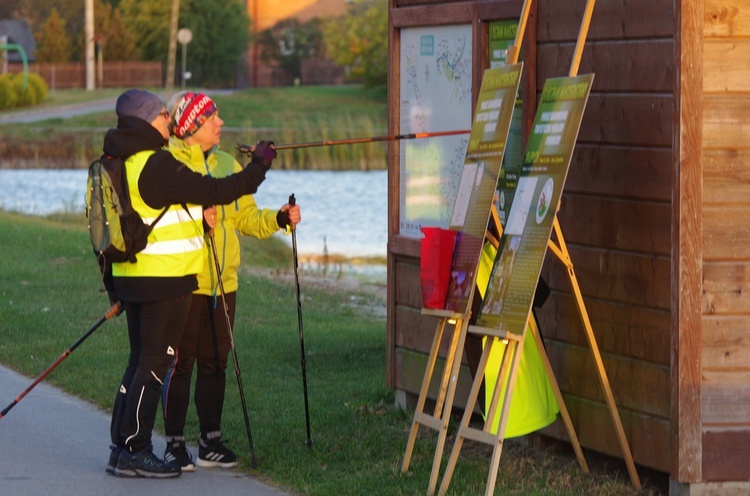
(436, 250)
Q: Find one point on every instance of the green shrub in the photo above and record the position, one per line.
(31, 94)
(8, 96)
(39, 86)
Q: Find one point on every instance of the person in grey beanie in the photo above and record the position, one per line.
(155, 291)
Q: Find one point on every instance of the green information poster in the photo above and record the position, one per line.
(542, 177)
(479, 176)
(502, 35)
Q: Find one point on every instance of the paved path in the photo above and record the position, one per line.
(58, 112)
(54, 444)
(34, 114)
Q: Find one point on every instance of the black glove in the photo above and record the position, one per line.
(282, 219)
(263, 154)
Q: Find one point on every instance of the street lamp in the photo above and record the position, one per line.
(184, 36)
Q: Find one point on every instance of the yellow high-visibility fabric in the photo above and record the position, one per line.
(533, 405)
(175, 245)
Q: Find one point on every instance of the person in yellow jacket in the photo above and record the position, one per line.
(205, 339)
(156, 289)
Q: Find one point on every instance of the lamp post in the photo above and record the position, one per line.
(89, 28)
(169, 83)
(184, 36)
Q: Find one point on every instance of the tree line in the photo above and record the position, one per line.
(129, 30)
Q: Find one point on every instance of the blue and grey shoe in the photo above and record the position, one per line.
(114, 455)
(144, 464)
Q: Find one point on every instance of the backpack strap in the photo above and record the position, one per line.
(158, 218)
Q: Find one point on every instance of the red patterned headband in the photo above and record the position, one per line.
(192, 112)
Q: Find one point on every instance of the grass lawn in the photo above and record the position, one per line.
(49, 297)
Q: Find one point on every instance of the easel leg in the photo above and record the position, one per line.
(558, 395)
(454, 360)
(516, 348)
(561, 251)
(471, 404)
(510, 364)
(423, 393)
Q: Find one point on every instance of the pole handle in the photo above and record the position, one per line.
(292, 202)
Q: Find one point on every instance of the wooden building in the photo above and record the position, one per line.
(265, 14)
(653, 213)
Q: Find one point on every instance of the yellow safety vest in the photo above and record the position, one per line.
(175, 245)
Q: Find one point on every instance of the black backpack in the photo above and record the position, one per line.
(117, 231)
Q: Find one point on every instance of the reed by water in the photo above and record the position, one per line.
(285, 115)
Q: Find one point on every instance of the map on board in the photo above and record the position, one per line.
(435, 89)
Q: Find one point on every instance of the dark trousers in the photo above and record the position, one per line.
(205, 340)
(154, 330)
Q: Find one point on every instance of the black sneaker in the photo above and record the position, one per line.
(177, 454)
(144, 464)
(213, 453)
(114, 455)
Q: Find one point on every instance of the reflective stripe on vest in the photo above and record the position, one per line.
(175, 245)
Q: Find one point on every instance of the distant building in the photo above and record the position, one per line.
(265, 14)
(19, 33)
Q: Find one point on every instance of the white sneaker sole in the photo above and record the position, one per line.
(212, 464)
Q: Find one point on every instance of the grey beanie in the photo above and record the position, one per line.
(139, 103)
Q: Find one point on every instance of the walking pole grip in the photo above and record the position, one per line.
(292, 202)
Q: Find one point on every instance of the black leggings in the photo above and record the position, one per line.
(154, 329)
(206, 340)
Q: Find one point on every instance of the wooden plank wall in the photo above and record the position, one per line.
(616, 220)
(726, 241)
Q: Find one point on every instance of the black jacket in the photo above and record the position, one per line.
(166, 181)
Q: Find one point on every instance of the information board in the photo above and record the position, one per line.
(435, 89)
(502, 34)
(477, 185)
(509, 296)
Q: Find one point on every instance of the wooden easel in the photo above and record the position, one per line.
(460, 311)
(440, 418)
(509, 365)
(511, 361)
(507, 376)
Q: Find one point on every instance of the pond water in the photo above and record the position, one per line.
(345, 212)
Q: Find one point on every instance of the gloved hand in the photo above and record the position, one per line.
(263, 154)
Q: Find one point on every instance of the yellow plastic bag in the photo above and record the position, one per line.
(533, 405)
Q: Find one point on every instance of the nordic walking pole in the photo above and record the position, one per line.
(254, 460)
(292, 202)
(113, 311)
(354, 141)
